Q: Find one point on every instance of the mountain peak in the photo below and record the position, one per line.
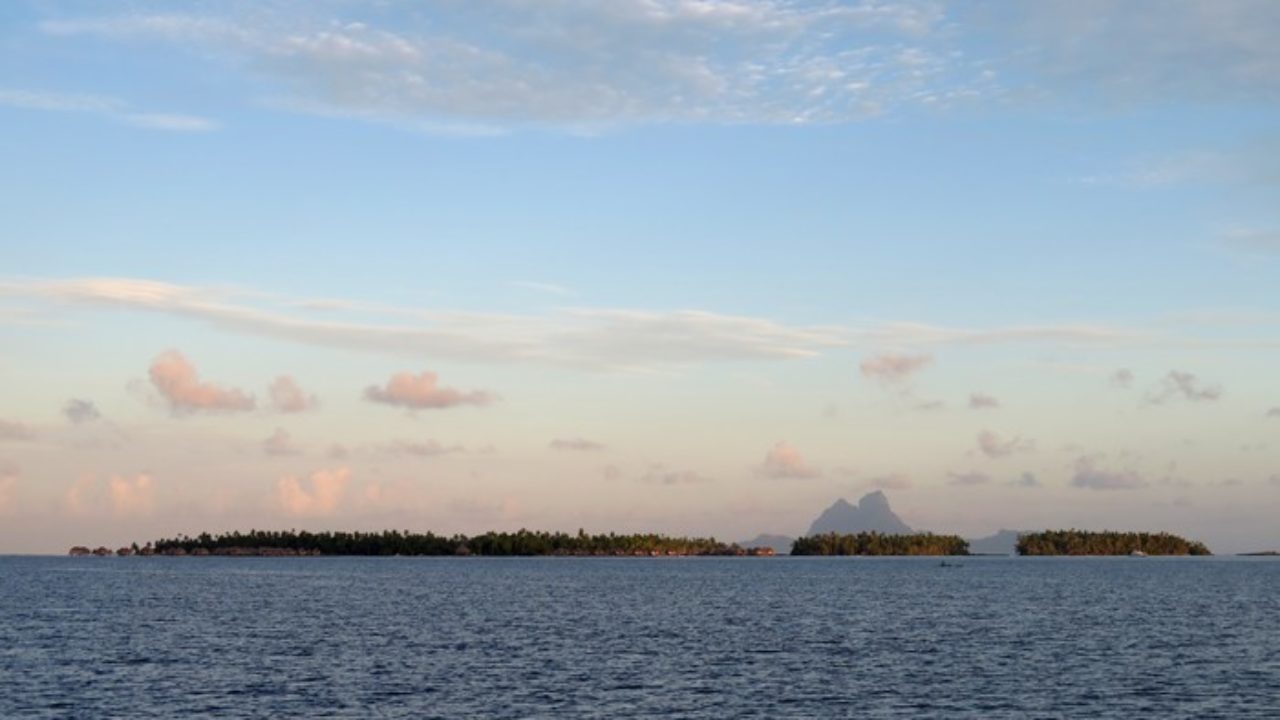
(871, 514)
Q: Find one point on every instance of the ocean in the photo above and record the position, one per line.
(639, 638)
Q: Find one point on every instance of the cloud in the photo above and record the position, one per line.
(1088, 475)
(1122, 378)
(177, 380)
(968, 479)
(979, 401)
(319, 494)
(783, 461)
(547, 288)
(280, 443)
(425, 448)
(583, 65)
(10, 430)
(105, 107)
(575, 444)
(993, 446)
(1252, 240)
(1185, 385)
(132, 496)
(892, 369)
(1026, 480)
(1274, 412)
(892, 481)
(659, 474)
(288, 397)
(423, 392)
(79, 411)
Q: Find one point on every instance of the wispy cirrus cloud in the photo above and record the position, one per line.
(104, 107)
(582, 65)
(575, 445)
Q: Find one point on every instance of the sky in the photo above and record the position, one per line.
(686, 266)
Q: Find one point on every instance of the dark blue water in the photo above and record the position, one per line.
(621, 638)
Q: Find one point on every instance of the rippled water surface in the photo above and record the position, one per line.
(619, 638)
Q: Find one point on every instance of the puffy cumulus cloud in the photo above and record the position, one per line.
(79, 411)
(892, 369)
(994, 446)
(1088, 475)
(1122, 378)
(981, 401)
(967, 479)
(1185, 385)
(784, 461)
(131, 496)
(319, 494)
(10, 430)
(288, 397)
(423, 392)
(280, 443)
(659, 474)
(425, 448)
(575, 445)
(178, 382)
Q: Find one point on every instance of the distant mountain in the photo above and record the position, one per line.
(781, 544)
(1002, 543)
(871, 514)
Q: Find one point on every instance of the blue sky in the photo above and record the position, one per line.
(755, 256)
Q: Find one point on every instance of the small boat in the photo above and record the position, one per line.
(1137, 553)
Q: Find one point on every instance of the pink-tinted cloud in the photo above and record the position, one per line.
(423, 392)
(288, 397)
(15, 431)
(784, 461)
(280, 443)
(132, 496)
(993, 446)
(981, 401)
(425, 448)
(177, 380)
(1088, 475)
(319, 494)
(892, 369)
(575, 444)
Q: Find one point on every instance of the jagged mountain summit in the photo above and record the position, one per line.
(870, 514)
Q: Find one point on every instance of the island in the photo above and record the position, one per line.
(1108, 542)
(874, 543)
(293, 543)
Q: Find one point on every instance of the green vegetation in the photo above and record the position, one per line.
(394, 542)
(872, 543)
(1084, 542)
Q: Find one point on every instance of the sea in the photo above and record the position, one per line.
(783, 637)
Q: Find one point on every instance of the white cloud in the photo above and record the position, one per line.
(105, 107)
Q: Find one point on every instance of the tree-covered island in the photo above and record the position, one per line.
(1084, 542)
(873, 543)
(396, 542)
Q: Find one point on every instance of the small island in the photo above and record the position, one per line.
(874, 543)
(523, 543)
(1085, 542)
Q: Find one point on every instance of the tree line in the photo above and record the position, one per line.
(1085, 542)
(873, 543)
(396, 542)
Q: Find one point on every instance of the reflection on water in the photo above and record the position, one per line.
(619, 638)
